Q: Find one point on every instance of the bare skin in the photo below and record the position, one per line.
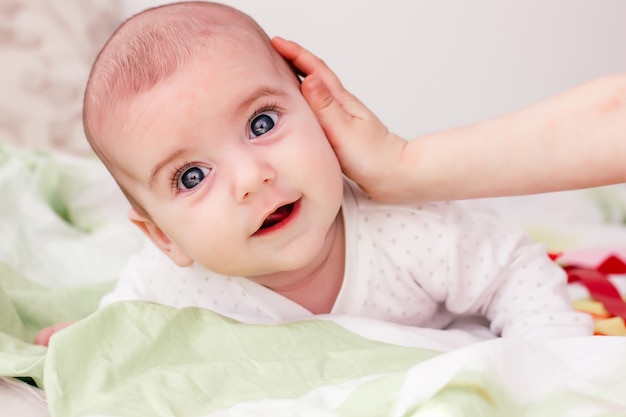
(576, 139)
(43, 337)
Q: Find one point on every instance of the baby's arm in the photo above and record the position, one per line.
(498, 272)
(44, 335)
(573, 140)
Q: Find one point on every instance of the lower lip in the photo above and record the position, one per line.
(281, 225)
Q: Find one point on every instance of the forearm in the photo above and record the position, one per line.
(574, 140)
(533, 300)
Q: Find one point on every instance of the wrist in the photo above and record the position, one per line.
(395, 183)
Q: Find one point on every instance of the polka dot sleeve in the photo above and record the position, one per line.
(500, 273)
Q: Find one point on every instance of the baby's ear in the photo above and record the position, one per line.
(156, 235)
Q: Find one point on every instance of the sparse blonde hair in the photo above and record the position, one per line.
(150, 47)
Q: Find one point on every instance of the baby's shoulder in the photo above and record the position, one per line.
(435, 216)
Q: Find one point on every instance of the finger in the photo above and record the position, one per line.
(310, 65)
(43, 337)
(333, 118)
(307, 63)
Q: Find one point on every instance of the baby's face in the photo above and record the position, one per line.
(231, 164)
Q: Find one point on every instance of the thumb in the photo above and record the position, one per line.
(333, 118)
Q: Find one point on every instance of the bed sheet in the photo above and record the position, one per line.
(60, 215)
(143, 359)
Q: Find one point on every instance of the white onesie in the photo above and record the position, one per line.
(419, 265)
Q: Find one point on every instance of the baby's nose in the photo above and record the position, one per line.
(251, 174)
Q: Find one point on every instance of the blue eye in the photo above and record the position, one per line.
(262, 123)
(191, 177)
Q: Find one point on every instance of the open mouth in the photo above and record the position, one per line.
(278, 218)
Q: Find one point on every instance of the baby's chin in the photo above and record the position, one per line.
(263, 274)
(252, 272)
(302, 256)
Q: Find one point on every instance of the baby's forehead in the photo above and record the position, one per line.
(233, 83)
(158, 56)
(153, 46)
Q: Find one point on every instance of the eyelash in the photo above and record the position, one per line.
(268, 107)
(175, 177)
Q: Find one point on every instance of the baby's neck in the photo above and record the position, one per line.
(316, 287)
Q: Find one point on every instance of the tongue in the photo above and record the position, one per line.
(280, 214)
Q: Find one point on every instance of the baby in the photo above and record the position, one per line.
(229, 174)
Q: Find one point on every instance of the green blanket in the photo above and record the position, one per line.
(142, 359)
(65, 237)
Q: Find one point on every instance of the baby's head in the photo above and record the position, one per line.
(149, 49)
(203, 126)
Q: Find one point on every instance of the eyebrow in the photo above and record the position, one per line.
(254, 96)
(260, 93)
(155, 171)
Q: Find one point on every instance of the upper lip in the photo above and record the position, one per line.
(267, 214)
